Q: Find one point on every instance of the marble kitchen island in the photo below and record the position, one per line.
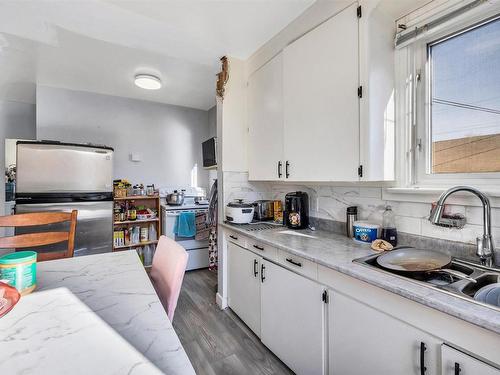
(99, 307)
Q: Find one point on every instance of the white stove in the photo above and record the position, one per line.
(196, 247)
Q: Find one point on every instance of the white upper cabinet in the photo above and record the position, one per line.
(324, 107)
(377, 111)
(320, 99)
(265, 121)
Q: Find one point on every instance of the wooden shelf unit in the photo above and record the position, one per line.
(136, 221)
(152, 202)
(140, 244)
(136, 198)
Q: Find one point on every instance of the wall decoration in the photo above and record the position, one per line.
(222, 77)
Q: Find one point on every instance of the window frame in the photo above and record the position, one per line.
(418, 150)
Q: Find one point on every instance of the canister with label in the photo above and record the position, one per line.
(366, 232)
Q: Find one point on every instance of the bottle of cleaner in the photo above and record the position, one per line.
(389, 232)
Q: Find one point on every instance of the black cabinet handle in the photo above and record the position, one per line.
(258, 247)
(255, 268)
(423, 348)
(279, 169)
(290, 260)
(287, 173)
(262, 275)
(457, 368)
(233, 237)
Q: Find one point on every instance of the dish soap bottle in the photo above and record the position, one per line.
(389, 232)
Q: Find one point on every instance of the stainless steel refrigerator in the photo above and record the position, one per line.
(55, 176)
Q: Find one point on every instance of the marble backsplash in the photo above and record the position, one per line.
(330, 202)
(460, 250)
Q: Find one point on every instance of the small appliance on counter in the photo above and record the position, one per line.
(263, 210)
(296, 215)
(239, 212)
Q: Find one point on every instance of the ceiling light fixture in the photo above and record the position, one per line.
(147, 82)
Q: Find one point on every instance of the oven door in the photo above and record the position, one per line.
(169, 218)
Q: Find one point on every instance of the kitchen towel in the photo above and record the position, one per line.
(185, 225)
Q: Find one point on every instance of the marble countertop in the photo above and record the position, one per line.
(338, 252)
(92, 314)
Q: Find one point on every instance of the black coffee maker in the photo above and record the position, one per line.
(296, 214)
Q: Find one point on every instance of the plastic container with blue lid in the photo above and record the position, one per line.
(19, 270)
(365, 232)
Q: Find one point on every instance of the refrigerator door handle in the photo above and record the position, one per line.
(93, 198)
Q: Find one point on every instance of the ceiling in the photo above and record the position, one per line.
(100, 45)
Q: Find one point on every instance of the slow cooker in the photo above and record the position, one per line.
(239, 212)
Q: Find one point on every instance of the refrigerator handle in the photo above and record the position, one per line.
(93, 198)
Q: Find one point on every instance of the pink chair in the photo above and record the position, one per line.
(167, 272)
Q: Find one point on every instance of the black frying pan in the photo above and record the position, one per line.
(418, 262)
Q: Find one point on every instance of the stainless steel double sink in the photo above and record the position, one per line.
(446, 283)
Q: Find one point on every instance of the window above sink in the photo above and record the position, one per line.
(448, 102)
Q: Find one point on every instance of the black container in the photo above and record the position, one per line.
(296, 213)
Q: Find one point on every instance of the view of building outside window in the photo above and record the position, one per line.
(465, 101)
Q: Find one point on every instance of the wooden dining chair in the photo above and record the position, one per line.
(41, 238)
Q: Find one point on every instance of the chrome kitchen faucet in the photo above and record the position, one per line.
(485, 243)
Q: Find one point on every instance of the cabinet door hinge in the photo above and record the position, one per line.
(324, 296)
(358, 11)
(360, 171)
(360, 91)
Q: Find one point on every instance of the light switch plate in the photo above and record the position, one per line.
(135, 157)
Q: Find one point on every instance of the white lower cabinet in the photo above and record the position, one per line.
(351, 334)
(363, 340)
(244, 285)
(292, 316)
(454, 362)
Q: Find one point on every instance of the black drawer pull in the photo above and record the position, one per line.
(233, 237)
(279, 169)
(287, 165)
(290, 260)
(457, 368)
(262, 275)
(423, 348)
(255, 268)
(258, 247)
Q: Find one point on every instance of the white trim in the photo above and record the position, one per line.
(409, 60)
(221, 301)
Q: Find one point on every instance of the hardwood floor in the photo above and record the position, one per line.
(216, 341)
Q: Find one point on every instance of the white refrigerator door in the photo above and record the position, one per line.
(57, 168)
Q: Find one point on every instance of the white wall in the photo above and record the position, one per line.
(17, 120)
(168, 138)
(232, 140)
(212, 122)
